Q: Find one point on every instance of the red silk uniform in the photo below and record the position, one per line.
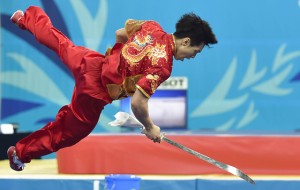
(143, 63)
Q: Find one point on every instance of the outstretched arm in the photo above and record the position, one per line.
(139, 106)
(121, 36)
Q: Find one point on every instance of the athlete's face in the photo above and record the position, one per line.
(185, 50)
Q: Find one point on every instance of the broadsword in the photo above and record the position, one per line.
(123, 117)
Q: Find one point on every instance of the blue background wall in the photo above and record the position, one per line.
(249, 81)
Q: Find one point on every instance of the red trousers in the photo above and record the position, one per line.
(76, 120)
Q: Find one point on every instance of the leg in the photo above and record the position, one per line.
(36, 21)
(77, 120)
(65, 131)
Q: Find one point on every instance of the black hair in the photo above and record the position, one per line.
(192, 26)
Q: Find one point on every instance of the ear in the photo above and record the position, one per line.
(186, 41)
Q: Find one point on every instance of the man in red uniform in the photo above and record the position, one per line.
(138, 63)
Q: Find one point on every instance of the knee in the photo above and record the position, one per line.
(71, 137)
(34, 8)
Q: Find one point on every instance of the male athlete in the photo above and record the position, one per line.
(137, 64)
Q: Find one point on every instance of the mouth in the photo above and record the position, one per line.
(181, 59)
(178, 58)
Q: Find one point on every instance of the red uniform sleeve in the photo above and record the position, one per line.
(152, 78)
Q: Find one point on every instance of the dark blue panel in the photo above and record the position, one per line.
(12, 106)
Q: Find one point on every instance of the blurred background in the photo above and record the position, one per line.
(247, 84)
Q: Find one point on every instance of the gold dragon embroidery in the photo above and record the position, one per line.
(141, 46)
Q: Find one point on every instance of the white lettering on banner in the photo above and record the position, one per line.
(175, 83)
